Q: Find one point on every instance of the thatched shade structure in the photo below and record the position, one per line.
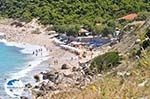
(81, 31)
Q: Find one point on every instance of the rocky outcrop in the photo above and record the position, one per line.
(65, 66)
(23, 97)
(53, 80)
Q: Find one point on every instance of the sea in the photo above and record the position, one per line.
(17, 61)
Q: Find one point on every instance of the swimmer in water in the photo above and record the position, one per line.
(29, 65)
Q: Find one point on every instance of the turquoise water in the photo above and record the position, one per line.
(11, 61)
(10, 58)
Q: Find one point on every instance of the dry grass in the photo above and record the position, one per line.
(114, 87)
(136, 85)
(145, 61)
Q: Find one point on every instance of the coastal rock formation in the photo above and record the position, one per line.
(65, 66)
(51, 76)
(28, 85)
(59, 80)
(23, 97)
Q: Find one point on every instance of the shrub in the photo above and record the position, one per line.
(143, 15)
(105, 62)
(37, 78)
(71, 30)
(145, 59)
(108, 30)
(146, 44)
(37, 31)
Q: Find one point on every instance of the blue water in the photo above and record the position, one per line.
(10, 58)
(11, 61)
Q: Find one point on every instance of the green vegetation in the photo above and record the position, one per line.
(37, 78)
(69, 29)
(145, 60)
(105, 62)
(72, 14)
(143, 15)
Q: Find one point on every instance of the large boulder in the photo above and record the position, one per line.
(24, 97)
(52, 76)
(65, 66)
(59, 78)
(76, 69)
(68, 74)
(86, 70)
(52, 88)
(28, 85)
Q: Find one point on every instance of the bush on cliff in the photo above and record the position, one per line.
(105, 62)
(145, 59)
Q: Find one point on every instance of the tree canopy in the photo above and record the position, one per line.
(73, 13)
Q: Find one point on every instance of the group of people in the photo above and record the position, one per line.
(38, 52)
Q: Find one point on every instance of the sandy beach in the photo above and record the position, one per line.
(24, 35)
(56, 56)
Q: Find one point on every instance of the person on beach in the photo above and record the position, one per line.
(33, 53)
(71, 58)
(36, 51)
(54, 62)
(29, 65)
(57, 62)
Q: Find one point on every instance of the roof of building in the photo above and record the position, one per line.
(83, 30)
(129, 17)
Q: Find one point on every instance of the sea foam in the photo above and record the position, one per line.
(28, 49)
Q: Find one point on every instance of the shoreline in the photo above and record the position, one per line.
(17, 34)
(72, 75)
(30, 68)
(28, 49)
(55, 53)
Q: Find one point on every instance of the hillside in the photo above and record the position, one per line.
(120, 72)
(69, 16)
(128, 81)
